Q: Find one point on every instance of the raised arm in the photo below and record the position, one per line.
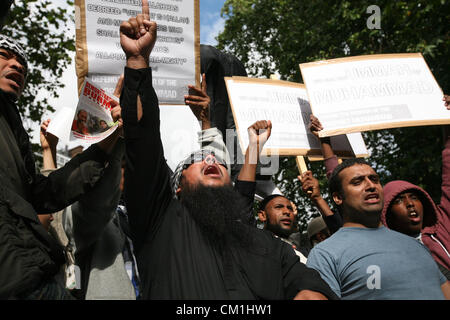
(445, 197)
(332, 220)
(310, 183)
(258, 134)
(48, 144)
(94, 210)
(330, 158)
(199, 102)
(210, 137)
(147, 177)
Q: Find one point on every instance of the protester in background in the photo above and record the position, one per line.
(97, 229)
(29, 256)
(277, 214)
(365, 260)
(408, 208)
(188, 232)
(317, 231)
(310, 185)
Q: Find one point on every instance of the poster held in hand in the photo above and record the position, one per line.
(373, 92)
(92, 121)
(286, 105)
(175, 59)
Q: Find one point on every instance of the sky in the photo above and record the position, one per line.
(211, 24)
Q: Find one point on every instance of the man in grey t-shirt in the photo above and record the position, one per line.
(364, 260)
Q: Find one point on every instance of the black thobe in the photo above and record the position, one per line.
(175, 259)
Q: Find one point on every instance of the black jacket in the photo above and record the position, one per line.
(28, 255)
(175, 258)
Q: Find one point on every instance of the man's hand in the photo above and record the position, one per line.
(315, 126)
(446, 98)
(199, 101)
(138, 37)
(259, 133)
(116, 111)
(48, 140)
(310, 185)
(48, 144)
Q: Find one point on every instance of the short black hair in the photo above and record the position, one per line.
(266, 200)
(335, 182)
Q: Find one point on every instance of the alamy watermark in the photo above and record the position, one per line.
(374, 280)
(374, 21)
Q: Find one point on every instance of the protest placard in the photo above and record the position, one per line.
(92, 121)
(179, 133)
(286, 105)
(372, 92)
(175, 59)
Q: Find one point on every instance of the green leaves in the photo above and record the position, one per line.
(289, 32)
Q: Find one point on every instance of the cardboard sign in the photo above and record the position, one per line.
(286, 105)
(175, 59)
(373, 92)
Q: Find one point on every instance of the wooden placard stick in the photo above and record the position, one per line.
(301, 165)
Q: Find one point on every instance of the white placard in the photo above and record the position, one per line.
(373, 92)
(179, 133)
(286, 105)
(174, 59)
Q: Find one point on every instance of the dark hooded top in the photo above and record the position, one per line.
(435, 233)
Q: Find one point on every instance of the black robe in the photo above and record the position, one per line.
(175, 258)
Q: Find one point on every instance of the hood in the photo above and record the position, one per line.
(394, 188)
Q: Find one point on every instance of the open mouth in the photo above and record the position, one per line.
(286, 222)
(16, 77)
(372, 198)
(212, 170)
(414, 216)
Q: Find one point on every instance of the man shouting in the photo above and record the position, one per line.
(189, 235)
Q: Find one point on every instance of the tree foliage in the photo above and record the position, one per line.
(276, 36)
(41, 28)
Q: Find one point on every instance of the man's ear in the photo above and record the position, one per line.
(337, 198)
(178, 191)
(262, 216)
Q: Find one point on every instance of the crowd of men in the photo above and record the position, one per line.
(130, 228)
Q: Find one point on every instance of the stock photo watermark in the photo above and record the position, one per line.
(374, 20)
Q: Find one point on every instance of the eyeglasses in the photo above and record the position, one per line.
(203, 155)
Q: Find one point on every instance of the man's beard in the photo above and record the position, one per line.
(279, 231)
(218, 211)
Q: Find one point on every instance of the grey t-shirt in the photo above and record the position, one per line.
(377, 264)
